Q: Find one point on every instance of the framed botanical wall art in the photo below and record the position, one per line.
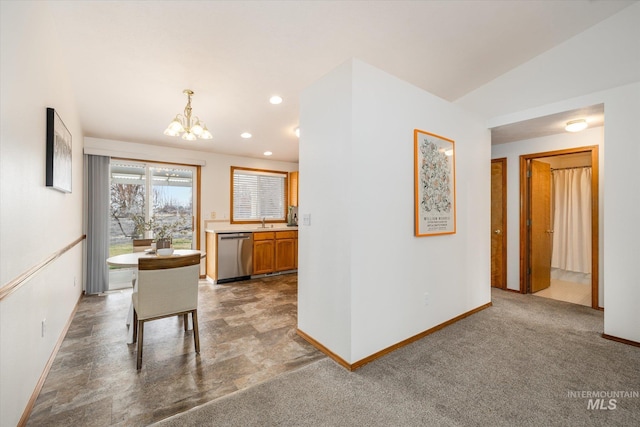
(434, 184)
(59, 161)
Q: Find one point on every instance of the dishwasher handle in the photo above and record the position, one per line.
(235, 237)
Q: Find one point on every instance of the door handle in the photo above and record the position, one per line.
(498, 231)
(550, 231)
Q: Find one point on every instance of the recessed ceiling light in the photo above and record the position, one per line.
(268, 153)
(576, 125)
(245, 135)
(275, 99)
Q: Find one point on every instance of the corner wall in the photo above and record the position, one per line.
(35, 221)
(324, 246)
(363, 276)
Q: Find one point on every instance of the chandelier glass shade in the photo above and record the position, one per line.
(191, 128)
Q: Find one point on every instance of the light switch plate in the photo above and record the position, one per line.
(306, 219)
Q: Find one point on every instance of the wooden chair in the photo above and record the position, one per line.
(166, 287)
(141, 245)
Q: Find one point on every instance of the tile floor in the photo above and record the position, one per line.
(577, 293)
(247, 335)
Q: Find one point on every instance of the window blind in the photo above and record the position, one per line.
(258, 194)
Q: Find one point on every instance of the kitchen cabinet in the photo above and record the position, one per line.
(264, 252)
(293, 188)
(286, 250)
(274, 251)
(211, 262)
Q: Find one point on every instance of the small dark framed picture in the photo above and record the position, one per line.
(59, 162)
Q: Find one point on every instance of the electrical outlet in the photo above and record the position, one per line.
(75, 280)
(213, 215)
(426, 298)
(44, 326)
(306, 219)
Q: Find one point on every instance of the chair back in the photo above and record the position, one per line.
(167, 285)
(140, 245)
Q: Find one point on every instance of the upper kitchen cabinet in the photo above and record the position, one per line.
(293, 188)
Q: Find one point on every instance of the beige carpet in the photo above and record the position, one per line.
(526, 361)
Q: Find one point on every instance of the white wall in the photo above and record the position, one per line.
(216, 169)
(35, 221)
(363, 275)
(559, 80)
(512, 151)
(324, 247)
(622, 204)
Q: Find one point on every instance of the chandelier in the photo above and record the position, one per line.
(191, 129)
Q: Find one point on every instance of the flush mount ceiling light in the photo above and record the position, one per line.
(576, 125)
(245, 135)
(267, 153)
(191, 129)
(275, 100)
(297, 132)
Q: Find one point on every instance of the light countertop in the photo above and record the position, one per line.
(248, 228)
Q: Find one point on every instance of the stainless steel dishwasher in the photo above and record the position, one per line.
(235, 256)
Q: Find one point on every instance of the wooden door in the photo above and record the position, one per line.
(540, 226)
(499, 223)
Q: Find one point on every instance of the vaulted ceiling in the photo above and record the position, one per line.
(129, 61)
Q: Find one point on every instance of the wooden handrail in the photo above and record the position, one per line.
(15, 284)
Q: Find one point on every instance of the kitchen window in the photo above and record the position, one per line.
(258, 194)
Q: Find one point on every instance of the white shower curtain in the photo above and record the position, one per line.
(572, 219)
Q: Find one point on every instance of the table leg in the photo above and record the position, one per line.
(130, 314)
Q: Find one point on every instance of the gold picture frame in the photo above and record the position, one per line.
(434, 184)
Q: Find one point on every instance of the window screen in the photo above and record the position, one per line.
(258, 194)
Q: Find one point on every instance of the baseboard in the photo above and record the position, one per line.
(621, 340)
(47, 368)
(374, 356)
(339, 360)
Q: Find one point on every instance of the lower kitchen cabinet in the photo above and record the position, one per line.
(285, 254)
(274, 251)
(263, 252)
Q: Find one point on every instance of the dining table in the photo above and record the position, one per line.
(130, 260)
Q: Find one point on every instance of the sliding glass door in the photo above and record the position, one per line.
(172, 202)
(129, 195)
(145, 193)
